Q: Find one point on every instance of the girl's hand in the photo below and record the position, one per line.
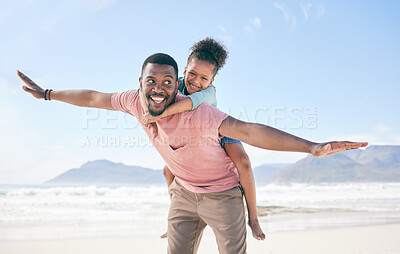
(148, 119)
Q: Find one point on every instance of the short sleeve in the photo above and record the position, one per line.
(207, 95)
(125, 101)
(208, 119)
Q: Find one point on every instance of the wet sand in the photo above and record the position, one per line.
(361, 240)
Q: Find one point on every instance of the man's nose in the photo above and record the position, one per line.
(158, 87)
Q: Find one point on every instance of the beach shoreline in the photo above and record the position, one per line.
(298, 218)
(382, 239)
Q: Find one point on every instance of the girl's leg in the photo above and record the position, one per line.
(241, 160)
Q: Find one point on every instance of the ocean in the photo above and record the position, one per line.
(43, 212)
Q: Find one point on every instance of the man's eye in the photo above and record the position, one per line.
(167, 82)
(205, 79)
(150, 81)
(191, 73)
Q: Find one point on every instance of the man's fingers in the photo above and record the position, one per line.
(338, 147)
(348, 145)
(363, 144)
(334, 147)
(355, 145)
(22, 76)
(26, 80)
(27, 89)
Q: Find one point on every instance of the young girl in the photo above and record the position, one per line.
(205, 60)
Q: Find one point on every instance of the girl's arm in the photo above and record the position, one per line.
(207, 95)
(191, 102)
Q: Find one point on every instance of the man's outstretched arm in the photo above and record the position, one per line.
(82, 98)
(266, 137)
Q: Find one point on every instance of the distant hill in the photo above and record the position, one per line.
(378, 156)
(374, 164)
(267, 173)
(107, 172)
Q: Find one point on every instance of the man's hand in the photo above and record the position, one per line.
(329, 148)
(31, 87)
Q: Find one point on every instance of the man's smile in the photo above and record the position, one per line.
(157, 99)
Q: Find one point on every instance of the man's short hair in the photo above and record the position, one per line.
(161, 58)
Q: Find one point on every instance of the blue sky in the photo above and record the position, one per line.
(321, 70)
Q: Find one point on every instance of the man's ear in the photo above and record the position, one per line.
(140, 83)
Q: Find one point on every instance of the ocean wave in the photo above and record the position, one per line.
(127, 203)
(37, 212)
(359, 196)
(44, 191)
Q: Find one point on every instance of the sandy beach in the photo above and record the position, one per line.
(382, 239)
(332, 218)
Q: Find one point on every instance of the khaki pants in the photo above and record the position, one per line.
(191, 212)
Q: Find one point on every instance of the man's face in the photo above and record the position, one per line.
(198, 75)
(159, 85)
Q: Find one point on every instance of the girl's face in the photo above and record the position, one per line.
(198, 75)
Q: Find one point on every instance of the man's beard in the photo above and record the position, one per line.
(156, 112)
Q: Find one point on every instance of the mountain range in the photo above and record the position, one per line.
(108, 172)
(374, 164)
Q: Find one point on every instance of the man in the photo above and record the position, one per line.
(205, 190)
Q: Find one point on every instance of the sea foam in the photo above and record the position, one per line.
(57, 212)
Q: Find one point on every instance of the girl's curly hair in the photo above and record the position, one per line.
(211, 51)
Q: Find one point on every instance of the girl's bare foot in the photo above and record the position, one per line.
(256, 229)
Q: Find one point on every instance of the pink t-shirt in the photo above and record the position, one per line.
(188, 143)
